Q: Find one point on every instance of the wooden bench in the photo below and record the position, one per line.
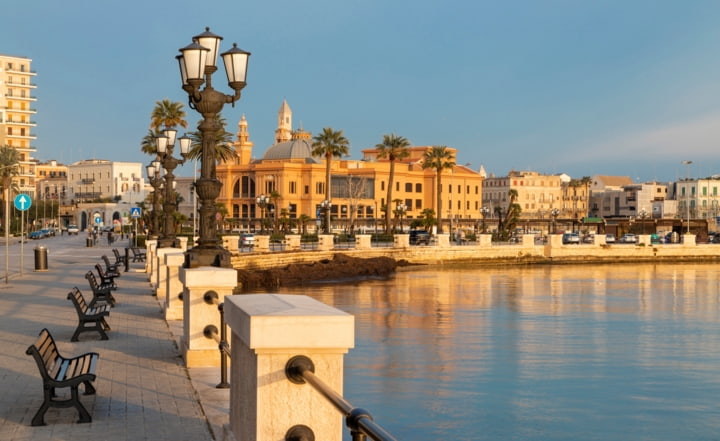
(138, 254)
(110, 268)
(106, 278)
(119, 258)
(89, 319)
(101, 293)
(60, 372)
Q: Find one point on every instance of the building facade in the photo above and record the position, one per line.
(288, 173)
(95, 179)
(16, 113)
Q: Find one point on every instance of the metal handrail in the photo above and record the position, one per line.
(211, 332)
(300, 369)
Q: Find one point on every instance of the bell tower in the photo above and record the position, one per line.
(284, 129)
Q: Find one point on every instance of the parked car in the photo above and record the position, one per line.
(590, 238)
(609, 238)
(571, 238)
(73, 229)
(37, 234)
(628, 238)
(419, 237)
(247, 240)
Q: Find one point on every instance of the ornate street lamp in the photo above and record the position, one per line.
(165, 146)
(555, 213)
(153, 172)
(401, 209)
(643, 215)
(262, 201)
(484, 212)
(326, 205)
(197, 64)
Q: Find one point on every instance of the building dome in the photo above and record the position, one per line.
(300, 147)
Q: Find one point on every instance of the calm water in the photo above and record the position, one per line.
(627, 352)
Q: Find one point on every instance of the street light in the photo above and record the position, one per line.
(554, 213)
(484, 211)
(262, 202)
(687, 196)
(643, 215)
(326, 205)
(197, 64)
(401, 209)
(153, 173)
(165, 146)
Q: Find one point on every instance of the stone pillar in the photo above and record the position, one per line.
(268, 330)
(160, 272)
(528, 240)
(484, 240)
(182, 242)
(231, 243)
(150, 247)
(172, 304)
(443, 239)
(363, 241)
(199, 351)
(644, 239)
(689, 240)
(292, 242)
(401, 240)
(326, 242)
(262, 243)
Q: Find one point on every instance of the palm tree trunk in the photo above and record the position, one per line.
(439, 202)
(388, 202)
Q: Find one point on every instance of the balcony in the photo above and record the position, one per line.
(87, 181)
(14, 136)
(20, 123)
(16, 84)
(14, 110)
(21, 72)
(20, 97)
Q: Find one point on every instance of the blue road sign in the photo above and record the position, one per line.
(135, 212)
(98, 220)
(22, 202)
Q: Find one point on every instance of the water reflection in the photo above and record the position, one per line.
(622, 352)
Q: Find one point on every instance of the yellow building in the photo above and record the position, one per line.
(16, 111)
(358, 187)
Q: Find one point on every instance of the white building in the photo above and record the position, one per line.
(99, 179)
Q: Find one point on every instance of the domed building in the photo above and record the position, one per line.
(285, 188)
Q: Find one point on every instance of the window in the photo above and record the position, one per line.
(293, 187)
(418, 188)
(408, 187)
(307, 189)
(418, 204)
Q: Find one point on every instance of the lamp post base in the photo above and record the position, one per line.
(212, 256)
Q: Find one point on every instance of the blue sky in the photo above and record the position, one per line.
(581, 87)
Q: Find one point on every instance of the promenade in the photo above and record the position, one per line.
(144, 392)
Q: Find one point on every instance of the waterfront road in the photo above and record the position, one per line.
(144, 392)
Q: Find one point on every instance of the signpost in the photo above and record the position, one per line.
(22, 203)
(135, 213)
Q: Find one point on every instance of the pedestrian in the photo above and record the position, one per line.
(110, 237)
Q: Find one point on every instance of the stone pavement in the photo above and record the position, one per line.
(144, 392)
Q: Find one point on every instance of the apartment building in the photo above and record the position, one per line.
(95, 179)
(16, 112)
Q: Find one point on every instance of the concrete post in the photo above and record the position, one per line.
(173, 304)
(182, 242)
(689, 240)
(401, 240)
(528, 240)
(363, 241)
(160, 273)
(484, 240)
(268, 330)
(150, 247)
(231, 243)
(262, 243)
(215, 282)
(326, 242)
(443, 239)
(292, 242)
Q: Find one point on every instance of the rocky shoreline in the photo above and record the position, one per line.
(340, 267)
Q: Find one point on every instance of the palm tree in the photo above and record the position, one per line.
(223, 143)
(393, 148)
(439, 158)
(329, 144)
(9, 162)
(167, 114)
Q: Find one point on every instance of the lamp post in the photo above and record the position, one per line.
(484, 212)
(643, 215)
(153, 172)
(554, 213)
(687, 196)
(326, 205)
(165, 146)
(197, 64)
(262, 202)
(401, 209)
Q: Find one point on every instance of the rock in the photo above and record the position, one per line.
(340, 267)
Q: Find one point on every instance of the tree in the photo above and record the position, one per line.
(428, 218)
(438, 158)
(329, 144)
(355, 192)
(303, 219)
(167, 114)
(9, 169)
(507, 224)
(392, 148)
(224, 150)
